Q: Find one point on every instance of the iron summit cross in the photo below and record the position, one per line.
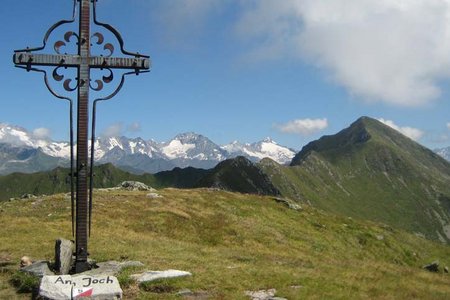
(83, 61)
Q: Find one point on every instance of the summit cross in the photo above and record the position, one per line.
(83, 61)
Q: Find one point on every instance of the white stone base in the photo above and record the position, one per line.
(80, 287)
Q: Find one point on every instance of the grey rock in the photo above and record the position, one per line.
(101, 287)
(289, 203)
(38, 269)
(64, 250)
(296, 287)
(262, 294)
(446, 269)
(135, 186)
(112, 267)
(154, 196)
(433, 267)
(25, 261)
(184, 292)
(28, 196)
(155, 275)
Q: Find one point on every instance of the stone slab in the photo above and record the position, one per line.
(69, 287)
(155, 275)
(38, 269)
(63, 256)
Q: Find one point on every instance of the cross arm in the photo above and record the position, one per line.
(99, 62)
(134, 63)
(29, 59)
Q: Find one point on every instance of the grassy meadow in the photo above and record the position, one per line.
(231, 243)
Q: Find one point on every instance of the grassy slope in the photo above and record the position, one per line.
(232, 243)
(387, 178)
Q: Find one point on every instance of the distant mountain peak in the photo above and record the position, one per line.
(188, 136)
(359, 132)
(259, 150)
(269, 140)
(383, 143)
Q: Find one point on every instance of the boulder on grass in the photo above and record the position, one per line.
(433, 267)
(135, 186)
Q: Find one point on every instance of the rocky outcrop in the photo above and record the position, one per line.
(134, 186)
(433, 267)
(288, 203)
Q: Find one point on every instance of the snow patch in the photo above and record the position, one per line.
(113, 142)
(176, 149)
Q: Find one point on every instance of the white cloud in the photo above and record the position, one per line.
(412, 133)
(134, 127)
(394, 51)
(42, 133)
(114, 130)
(448, 125)
(119, 129)
(390, 51)
(303, 126)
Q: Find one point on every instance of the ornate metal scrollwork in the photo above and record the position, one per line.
(57, 46)
(104, 80)
(66, 83)
(101, 40)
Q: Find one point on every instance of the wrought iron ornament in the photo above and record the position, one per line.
(30, 59)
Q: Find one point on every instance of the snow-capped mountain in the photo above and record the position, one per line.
(103, 145)
(20, 137)
(193, 146)
(444, 152)
(257, 151)
(139, 156)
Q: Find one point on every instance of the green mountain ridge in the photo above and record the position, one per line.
(371, 171)
(58, 181)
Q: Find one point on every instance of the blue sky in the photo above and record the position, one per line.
(243, 70)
